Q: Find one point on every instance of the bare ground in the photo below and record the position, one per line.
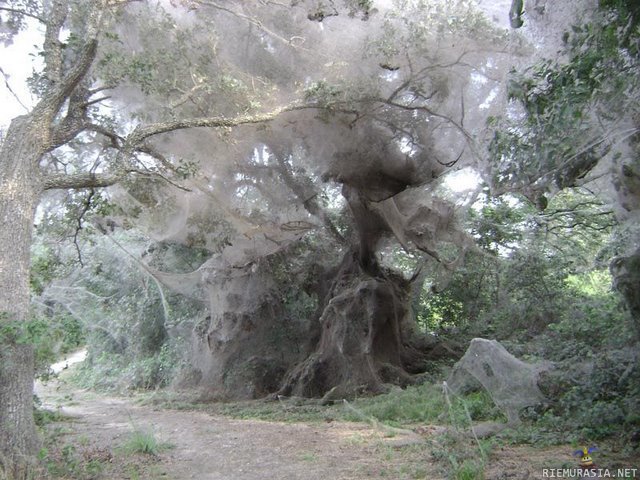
(210, 447)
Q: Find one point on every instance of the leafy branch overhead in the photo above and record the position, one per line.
(578, 112)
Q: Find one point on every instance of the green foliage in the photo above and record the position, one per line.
(124, 315)
(541, 290)
(121, 372)
(44, 268)
(596, 319)
(186, 61)
(157, 370)
(323, 93)
(597, 380)
(44, 416)
(599, 400)
(467, 470)
(520, 288)
(533, 283)
(500, 224)
(438, 312)
(578, 218)
(50, 336)
(572, 107)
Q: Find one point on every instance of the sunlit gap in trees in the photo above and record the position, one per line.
(15, 97)
(462, 181)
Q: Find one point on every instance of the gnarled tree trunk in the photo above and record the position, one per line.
(19, 195)
(367, 339)
(363, 345)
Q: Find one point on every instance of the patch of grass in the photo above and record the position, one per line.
(288, 411)
(67, 461)
(356, 439)
(309, 457)
(425, 404)
(413, 405)
(145, 442)
(419, 473)
(467, 470)
(44, 417)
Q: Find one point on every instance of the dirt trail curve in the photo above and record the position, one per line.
(209, 447)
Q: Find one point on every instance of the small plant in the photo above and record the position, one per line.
(467, 470)
(309, 457)
(145, 442)
(44, 417)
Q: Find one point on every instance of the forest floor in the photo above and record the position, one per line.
(93, 437)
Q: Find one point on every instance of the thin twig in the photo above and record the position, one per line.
(86, 205)
(15, 95)
(22, 12)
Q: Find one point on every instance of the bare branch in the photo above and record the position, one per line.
(116, 140)
(22, 12)
(141, 133)
(53, 49)
(93, 91)
(63, 181)
(252, 21)
(88, 103)
(431, 112)
(86, 206)
(6, 83)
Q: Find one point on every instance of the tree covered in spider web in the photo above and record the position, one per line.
(246, 113)
(356, 169)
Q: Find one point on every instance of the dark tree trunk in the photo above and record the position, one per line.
(364, 344)
(20, 189)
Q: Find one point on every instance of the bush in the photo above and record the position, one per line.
(143, 441)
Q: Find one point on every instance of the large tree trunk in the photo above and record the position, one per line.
(367, 337)
(365, 343)
(20, 189)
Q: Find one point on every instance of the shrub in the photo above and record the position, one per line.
(145, 442)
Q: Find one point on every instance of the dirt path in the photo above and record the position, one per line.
(89, 442)
(210, 447)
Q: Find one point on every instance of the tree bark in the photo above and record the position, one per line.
(20, 188)
(364, 345)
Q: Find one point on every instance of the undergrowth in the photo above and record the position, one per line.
(426, 404)
(144, 441)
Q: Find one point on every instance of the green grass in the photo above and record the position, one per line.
(414, 405)
(44, 417)
(424, 404)
(144, 442)
(467, 470)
